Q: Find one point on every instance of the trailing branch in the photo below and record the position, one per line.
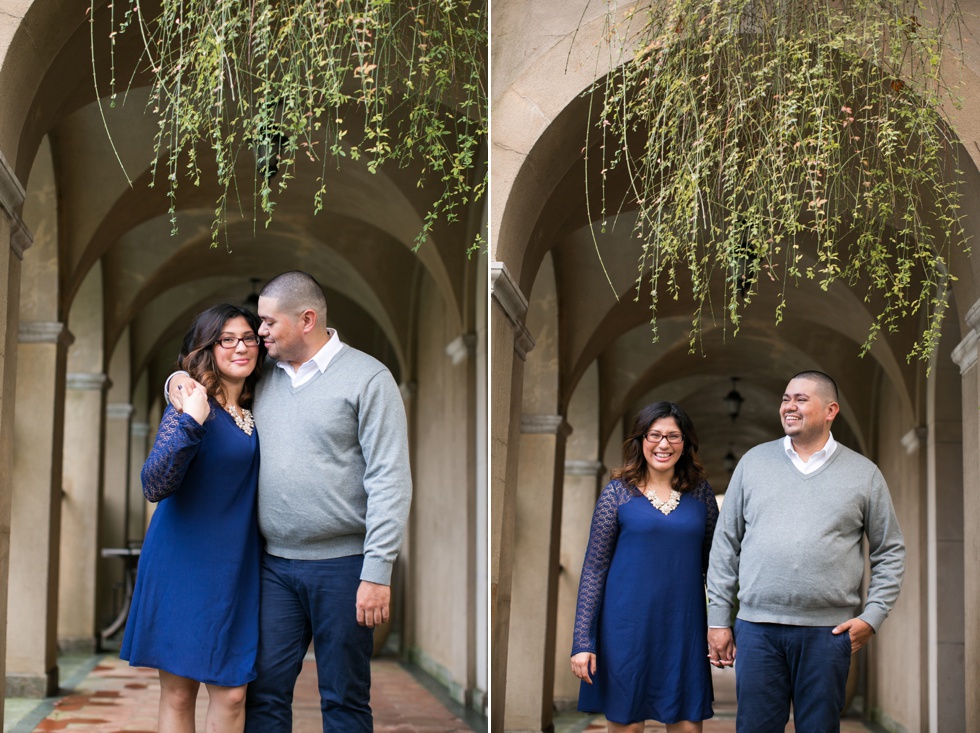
(387, 82)
(806, 138)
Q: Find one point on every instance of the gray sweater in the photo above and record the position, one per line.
(334, 477)
(792, 542)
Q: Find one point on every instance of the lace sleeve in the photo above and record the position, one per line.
(706, 495)
(176, 444)
(598, 556)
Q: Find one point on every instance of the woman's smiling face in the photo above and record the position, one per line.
(662, 455)
(238, 362)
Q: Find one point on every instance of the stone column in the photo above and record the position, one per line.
(914, 471)
(32, 668)
(15, 235)
(965, 356)
(578, 503)
(583, 472)
(511, 341)
(115, 510)
(480, 698)
(534, 597)
(140, 437)
(402, 597)
(139, 449)
(460, 352)
(84, 428)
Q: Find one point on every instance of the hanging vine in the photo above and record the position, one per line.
(387, 82)
(788, 139)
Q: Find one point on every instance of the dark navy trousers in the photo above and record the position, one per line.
(776, 665)
(303, 600)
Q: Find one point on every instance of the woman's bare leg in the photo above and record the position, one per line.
(178, 697)
(620, 728)
(226, 709)
(685, 726)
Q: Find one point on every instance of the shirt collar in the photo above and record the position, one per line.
(828, 449)
(321, 358)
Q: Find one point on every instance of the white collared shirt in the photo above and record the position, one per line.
(816, 460)
(318, 363)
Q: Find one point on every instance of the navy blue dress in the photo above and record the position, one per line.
(195, 609)
(642, 607)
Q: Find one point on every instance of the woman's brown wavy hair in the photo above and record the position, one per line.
(688, 471)
(197, 355)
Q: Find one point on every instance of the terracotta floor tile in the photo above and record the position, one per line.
(117, 698)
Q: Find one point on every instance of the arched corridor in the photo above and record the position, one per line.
(98, 287)
(573, 361)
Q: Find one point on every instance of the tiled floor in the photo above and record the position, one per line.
(719, 724)
(106, 695)
(722, 722)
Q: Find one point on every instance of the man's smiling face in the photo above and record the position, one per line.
(805, 410)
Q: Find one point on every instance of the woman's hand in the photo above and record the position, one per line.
(179, 382)
(196, 402)
(721, 647)
(583, 666)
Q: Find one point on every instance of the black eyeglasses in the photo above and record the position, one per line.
(673, 438)
(231, 342)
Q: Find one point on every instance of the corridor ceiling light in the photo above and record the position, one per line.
(730, 460)
(268, 153)
(734, 400)
(744, 263)
(271, 142)
(252, 299)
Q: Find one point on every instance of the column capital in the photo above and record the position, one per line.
(44, 332)
(20, 237)
(584, 468)
(11, 200)
(118, 411)
(513, 303)
(87, 381)
(965, 353)
(914, 439)
(461, 348)
(972, 316)
(139, 429)
(408, 389)
(506, 291)
(545, 424)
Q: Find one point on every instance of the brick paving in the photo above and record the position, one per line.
(116, 698)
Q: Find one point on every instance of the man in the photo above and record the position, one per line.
(334, 494)
(789, 539)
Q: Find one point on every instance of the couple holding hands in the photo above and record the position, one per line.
(787, 547)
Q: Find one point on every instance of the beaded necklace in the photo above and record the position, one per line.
(665, 507)
(244, 421)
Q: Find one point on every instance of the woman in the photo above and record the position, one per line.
(640, 637)
(195, 608)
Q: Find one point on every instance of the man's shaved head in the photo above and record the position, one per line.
(827, 387)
